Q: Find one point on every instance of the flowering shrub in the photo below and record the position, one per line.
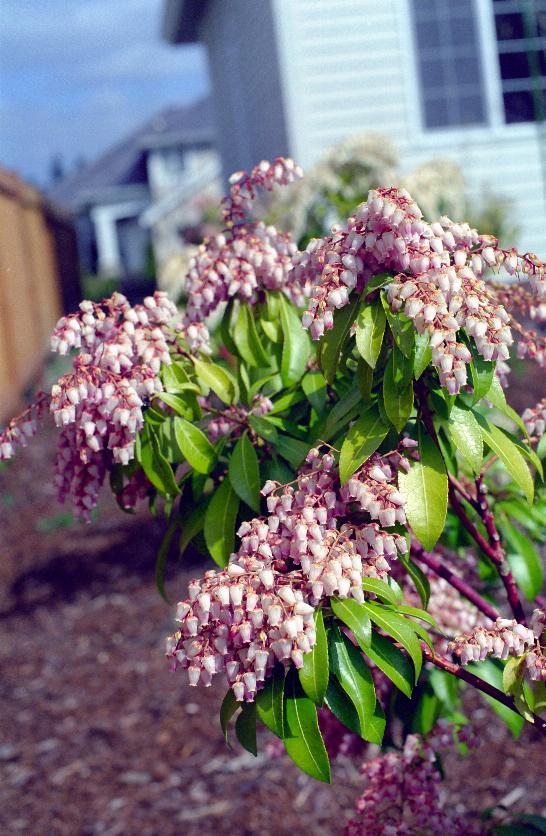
(386, 498)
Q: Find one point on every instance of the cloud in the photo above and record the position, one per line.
(80, 74)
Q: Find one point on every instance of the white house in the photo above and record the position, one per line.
(463, 79)
(119, 201)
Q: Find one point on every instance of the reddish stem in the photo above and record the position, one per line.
(461, 586)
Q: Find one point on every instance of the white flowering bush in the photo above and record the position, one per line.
(342, 448)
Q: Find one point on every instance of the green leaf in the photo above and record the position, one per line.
(524, 561)
(263, 428)
(333, 341)
(420, 580)
(426, 711)
(363, 439)
(291, 449)
(219, 526)
(370, 328)
(195, 445)
(512, 675)
(244, 472)
(296, 347)
(482, 372)
(398, 389)
(381, 589)
(305, 745)
(162, 555)
(341, 706)
(155, 465)
(496, 396)
(526, 451)
(445, 687)
(364, 379)
(245, 336)
(227, 710)
(314, 386)
(465, 435)
(218, 379)
(426, 488)
(190, 526)
(489, 671)
(245, 728)
(541, 447)
(355, 617)
(314, 673)
(392, 662)
(509, 455)
(353, 675)
(270, 702)
(423, 354)
(402, 328)
(401, 631)
(340, 413)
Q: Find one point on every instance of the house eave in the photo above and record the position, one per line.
(181, 19)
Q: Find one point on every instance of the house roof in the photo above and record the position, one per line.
(181, 20)
(123, 166)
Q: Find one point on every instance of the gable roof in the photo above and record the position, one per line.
(124, 165)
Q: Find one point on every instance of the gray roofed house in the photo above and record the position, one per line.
(162, 163)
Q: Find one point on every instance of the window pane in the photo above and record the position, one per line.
(436, 113)
(509, 27)
(467, 71)
(518, 107)
(514, 65)
(471, 110)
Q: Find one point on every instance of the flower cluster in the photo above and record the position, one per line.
(232, 421)
(505, 638)
(535, 419)
(402, 795)
(374, 487)
(259, 609)
(22, 428)
(438, 284)
(247, 257)
(98, 405)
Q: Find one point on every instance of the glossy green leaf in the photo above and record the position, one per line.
(392, 662)
(291, 449)
(400, 630)
(341, 706)
(370, 328)
(524, 560)
(219, 526)
(296, 346)
(426, 488)
(244, 472)
(526, 451)
(355, 617)
(423, 354)
(314, 673)
(190, 526)
(246, 338)
(466, 436)
(245, 728)
(491, 672)
(314, 386)
(227, 710)
(195, 445)
(364, 379)
(420, 580)
(363, 439)
(496, 396)
(263, 428)
(340, 414)
(402, 329)
(398, 389)
(333, 341)
(218, 379)
(270, 702)
(509, 455)
(353, 675)
(305, 745)
(482, 372)
(381, 589)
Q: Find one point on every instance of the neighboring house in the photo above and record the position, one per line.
(463, 79)
(170, 158)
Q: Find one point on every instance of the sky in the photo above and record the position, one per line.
(76, 76)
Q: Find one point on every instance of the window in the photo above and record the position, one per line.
(450, 73)
(521, 41)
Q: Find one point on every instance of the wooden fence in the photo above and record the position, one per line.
(39, 279)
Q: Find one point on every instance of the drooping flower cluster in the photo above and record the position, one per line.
(247, 257)
(98, 405)
(402, 795)
(505, 638)
(374, 487)
(286, 564)
(438, 283)
(22, 428)
(232, 421)
(535, 419)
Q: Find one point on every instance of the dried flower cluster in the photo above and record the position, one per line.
(246, 258)
(260, 608)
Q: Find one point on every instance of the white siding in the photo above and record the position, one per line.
(348, 66)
